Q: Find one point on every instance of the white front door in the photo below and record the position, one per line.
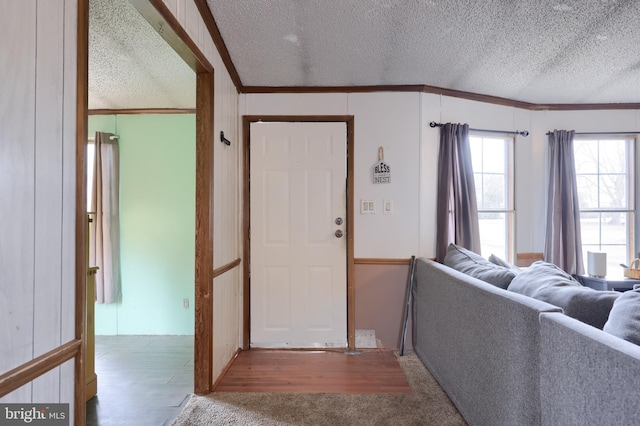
(298, 263)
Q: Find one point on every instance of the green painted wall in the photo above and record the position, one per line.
(157, 224)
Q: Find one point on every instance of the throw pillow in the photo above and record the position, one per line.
(624, 319)
(501, 262)
(547, 282)
(470, 263)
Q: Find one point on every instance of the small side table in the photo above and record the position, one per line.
(607, 283)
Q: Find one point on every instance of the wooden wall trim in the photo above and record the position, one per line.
(351, 202)
(246, 227)
(81, 261)
(438, 91)
(349, 120)
(159, 16)
(142, 111)
(203, 336)
(526, 259)
(214, 32)
(35, 368)
(381, 261)
(224, 268)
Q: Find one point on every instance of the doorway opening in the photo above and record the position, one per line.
(160, 17)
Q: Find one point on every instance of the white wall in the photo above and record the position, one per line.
(37, 191)
(400, 123)
(388, 120)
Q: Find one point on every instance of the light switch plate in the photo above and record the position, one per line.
(367, 207)
(387, 207)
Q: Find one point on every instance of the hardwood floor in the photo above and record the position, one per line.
(374, 371)
(146, 380)
(142, 380)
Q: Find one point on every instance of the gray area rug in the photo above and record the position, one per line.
(427, 405)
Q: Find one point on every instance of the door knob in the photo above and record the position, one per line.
(338, 233)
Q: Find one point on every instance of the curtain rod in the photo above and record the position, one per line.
(602, 133)
(93, 138)
(517, 132)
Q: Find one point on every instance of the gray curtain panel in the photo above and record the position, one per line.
(457, 208)
(563, 241)
(104, 239)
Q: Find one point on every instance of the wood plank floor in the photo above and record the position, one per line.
(373, 371)
(142, 380)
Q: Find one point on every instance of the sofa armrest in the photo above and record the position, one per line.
(586, 375)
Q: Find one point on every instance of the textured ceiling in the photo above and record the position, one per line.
(130, 65)
(538, 51)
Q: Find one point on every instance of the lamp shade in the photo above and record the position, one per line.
(597, 264)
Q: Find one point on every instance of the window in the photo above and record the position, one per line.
(492, 158)
(605, 179)
(91, 148)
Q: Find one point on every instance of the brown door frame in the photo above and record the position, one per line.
(161, 19)
(246, 214)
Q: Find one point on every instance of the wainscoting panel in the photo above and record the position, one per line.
(380, 299)
(226, 319)
(37, 197)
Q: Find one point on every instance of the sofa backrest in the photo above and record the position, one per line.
(587, 376)
(481, 343)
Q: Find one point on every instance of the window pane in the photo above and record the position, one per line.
(612, 156)
(613, 191)
(587, 191)
(608, 232)
(614, 228)
(493, 234)
(493, 155)
(590, 228)
(494, 191)
(586, 156)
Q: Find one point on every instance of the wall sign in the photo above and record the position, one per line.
(381, 170)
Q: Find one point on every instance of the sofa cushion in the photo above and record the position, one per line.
(624, 318)
(470, 263)
(547, 282)
(501, 262)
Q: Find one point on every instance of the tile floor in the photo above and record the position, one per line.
(142, 380)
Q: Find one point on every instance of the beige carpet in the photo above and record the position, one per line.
(427, 405)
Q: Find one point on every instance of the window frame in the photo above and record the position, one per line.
(632, 190)
(510, 191)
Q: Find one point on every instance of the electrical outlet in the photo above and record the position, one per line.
(185, 302)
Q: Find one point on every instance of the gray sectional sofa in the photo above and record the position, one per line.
(505, 358)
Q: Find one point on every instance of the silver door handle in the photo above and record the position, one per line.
(339, 233)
